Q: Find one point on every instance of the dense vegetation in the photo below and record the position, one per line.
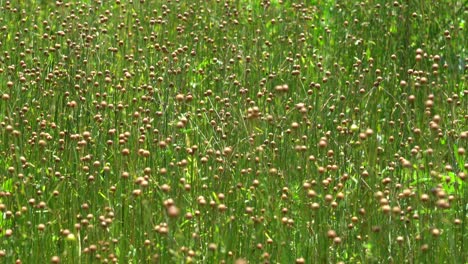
(233, 131)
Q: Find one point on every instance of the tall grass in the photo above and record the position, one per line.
(233, 131)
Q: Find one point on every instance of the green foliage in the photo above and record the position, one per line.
(222, 131)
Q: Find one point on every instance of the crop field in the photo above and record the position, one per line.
(233, 131)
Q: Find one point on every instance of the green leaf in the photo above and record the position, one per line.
(7, 185)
